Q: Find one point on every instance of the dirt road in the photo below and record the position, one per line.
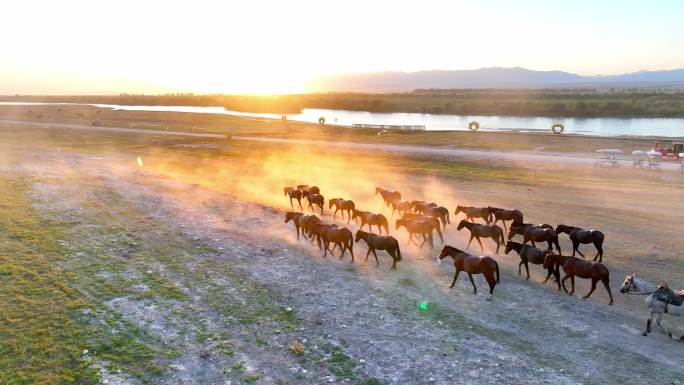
(525, 159)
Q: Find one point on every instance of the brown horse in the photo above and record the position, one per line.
(317, 200)
(531, 254)
(436, 211)
(293, 193)
(572, 267)
(428, 218)
(307, 222)
(342, 205)
(522, 227)
(388, 196)
(341, 237)
(306, 189)
(541, 234)
(370, 219)
(296, 218)
(504, 215)
(415, 204)
(379, 242)
(401, 206)
(485, 231)
(420, 227)
(579, 235)
(472, 264)
(474, 212)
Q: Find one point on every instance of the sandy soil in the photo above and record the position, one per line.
(358, 322)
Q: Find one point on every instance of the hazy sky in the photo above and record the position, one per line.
(275, 46)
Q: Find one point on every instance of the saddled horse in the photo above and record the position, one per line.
(521, 228)
(401, 206)
(420, 227)
(541, 234)
(293, 193)
(317, 200)
(379, 242)
(435, 211)
(531, 254)
(579, 235)
(341, 237)
(573, 267)
(388, 196)
(296, 218)
(342, 205)
(504, 215)
(474, 212)
(478, 231)
(370, 219)
(472, 264)
(656, 308)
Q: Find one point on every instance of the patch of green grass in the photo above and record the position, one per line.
(340, 364)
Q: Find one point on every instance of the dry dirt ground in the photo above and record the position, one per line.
(232, 296)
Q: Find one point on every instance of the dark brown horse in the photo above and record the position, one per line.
(379, 242)
(341, 237)
(572, 267)
(370, 219)
(531, 254)
(474, 212)
(317, 200)
(579, 236)
(485, 231)
(342, 205)
(388, 196)
(472, 264)
(296, 218)
(401, 206)
(420, 227)
(428, 218)
(521, 228)
(504, 215)
(293, 193)
(436, 211)
(415, 204)
(541, 234)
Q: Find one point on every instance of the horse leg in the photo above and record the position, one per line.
(432, 241)
(299, 200)
(498, 245)
(599, 251)
(605, 283)
(489, 276)
(572, 281)
(520, 267)
(343, 248)
(377, 263)
(424, 239)
(471, 239)
(393, 254)
(291, 204)
(527, 270)
(480, 242)
(593, 287)
(575, 246)
(648, 323)
(367, 254)
(455, 277)
(563, 282)
(470, 276)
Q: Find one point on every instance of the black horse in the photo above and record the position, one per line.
(504, 215)
(541, 234)
(522, 227)
(486, 231)
(531, 254)
(579, 236)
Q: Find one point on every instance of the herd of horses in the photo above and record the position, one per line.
(422, 219)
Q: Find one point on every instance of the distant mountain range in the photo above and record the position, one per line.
(495, 77)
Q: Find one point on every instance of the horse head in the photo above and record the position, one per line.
(629, 284)
(289, 216)
(562, 229)
(459, 209)
(549, 260)
(461, 224)
(509, 247)
(359, 235)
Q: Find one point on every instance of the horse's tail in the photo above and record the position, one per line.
(497, 271)
(398, 251)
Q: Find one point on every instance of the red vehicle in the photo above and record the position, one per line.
(671, 152)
